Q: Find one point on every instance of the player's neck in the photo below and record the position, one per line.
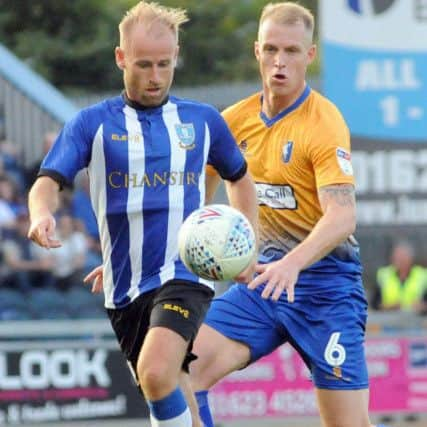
(273, 104)
(139, 106)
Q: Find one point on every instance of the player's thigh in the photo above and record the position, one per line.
(343, 408)
(181, 306)
(130, 325)
(217, 356)
(328, 330)
(239, 328)
(178, 310)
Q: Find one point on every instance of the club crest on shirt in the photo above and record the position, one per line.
(344, 161)
(186, 135)
(287, 151)
(243, 146)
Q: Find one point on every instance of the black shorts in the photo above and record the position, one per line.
(177, 305)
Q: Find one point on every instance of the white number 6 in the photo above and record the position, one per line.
(334, 352)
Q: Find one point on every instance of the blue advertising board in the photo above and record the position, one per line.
(374, 56)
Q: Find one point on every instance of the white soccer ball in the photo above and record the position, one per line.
(216, 242)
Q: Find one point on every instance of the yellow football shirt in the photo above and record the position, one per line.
(303, 148)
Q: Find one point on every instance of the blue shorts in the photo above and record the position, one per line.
(327, 329)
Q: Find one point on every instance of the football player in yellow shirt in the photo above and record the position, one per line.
(309, 290)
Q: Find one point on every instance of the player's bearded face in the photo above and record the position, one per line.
(283, 53)
(150, 60)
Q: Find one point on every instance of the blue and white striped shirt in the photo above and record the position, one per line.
(147, 174)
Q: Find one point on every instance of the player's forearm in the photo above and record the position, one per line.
(212, 183)
(242, 196)
(331, 230)
(43, 197)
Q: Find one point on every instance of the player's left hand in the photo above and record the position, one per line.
(278, 277)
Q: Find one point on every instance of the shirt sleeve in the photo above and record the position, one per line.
(224, 154)
(70, 152)
(331, 154)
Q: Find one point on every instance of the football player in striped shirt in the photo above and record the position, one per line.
(309, 290)
(146, 154)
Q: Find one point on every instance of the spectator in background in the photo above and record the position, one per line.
(3, 171)
(7, 217)
(10, 194)
(24, 264)
(8, 207)
(402, 285)
(32, 171)
(81, 206)
(69, 260)
(81, 209)
(2, 122)
(11, 165)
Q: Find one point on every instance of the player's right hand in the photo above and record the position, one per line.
(279, 276)
(96, 277)
(42, 230)
(246, 275)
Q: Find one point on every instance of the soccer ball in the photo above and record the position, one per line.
(216, 242)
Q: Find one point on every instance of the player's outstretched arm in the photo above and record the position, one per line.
(336, 225)
(338, 222)
(242, 196)
(212, 183)
(43, 201)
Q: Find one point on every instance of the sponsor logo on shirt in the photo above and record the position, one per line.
(276, 196)
(118, 179)
(135, 138)
(344, 161)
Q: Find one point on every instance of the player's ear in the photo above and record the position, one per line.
(175, 59)
(312, 51)
(120, 57)
(256, 49)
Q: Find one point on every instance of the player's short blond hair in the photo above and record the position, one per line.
(149, 13)
(288, 13)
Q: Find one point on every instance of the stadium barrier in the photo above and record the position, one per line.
(73, 370)
(64, 371)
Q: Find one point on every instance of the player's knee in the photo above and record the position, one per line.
(155, 381)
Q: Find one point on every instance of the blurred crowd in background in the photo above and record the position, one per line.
(36, 282)
(49, 40)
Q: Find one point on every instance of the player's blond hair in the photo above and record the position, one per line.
(288, 13)
(149, 13)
